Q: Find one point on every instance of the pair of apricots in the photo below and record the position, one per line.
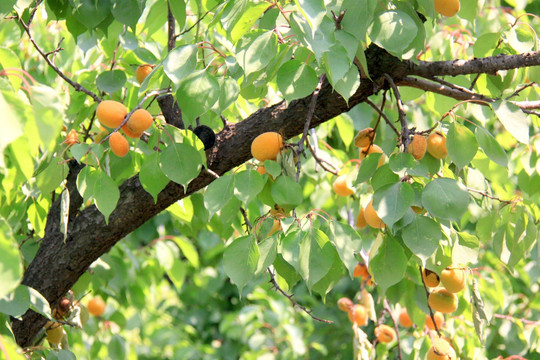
(444, 299)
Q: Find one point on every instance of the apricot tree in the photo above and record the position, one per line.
(425, 125)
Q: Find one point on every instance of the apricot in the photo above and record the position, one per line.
(418, 209)
(345, 304)
(431, 278)
(261, 170)
(443, 301)
(55, 333)
(267, 146)
(72, 138)
(365, 151)
(441, 350)
(64, 305)
(385, 333)
(360, 270)
(111, 113)
(364, 138)
(119, 145)
(139, 121)
(142, 72)
(358, 315)
(130, 133)
(275, 227)
(439, 321)
(341, 186)
(372, 218)
(436, 145)
(404, 319)
(453, 279)
(447, 7)
(361, 219)
(418, 146)
(96, 306)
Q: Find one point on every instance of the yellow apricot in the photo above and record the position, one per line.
(372, 218)
(96, 306)
(111, 113)
(443, 301)
(418, 146)
(439, 321)
(453, 279)
(436, 145)
(404, 319)
(358, 315)
(361, 219)
(55, 334)
(142, 72)
(267, 146)
(385, 333)
(370, 149)
(130, 133)
(342, 187)
(119, 145)
(431, 278)
(364, 138)
(441, 350)
(447, 7)
(345, 304)
(275, 227)
(139, 121)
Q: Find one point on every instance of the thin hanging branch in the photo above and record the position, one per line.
(401, 112)
(387, 307)
(427, 300)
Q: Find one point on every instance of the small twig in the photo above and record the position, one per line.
(338, 19)
(113, 61)
(429, 307)
(290, 297)
(401, 112)
(520, 89)
(224, 121)
(322, 162)
(485, 194)
(383, 115)
(387, 307)
(246, 220)
(511, 318)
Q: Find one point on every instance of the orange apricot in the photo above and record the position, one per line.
(439, 321)
(385, 333)
(441, 350)
(453, 279)
(436, 145)
(431, 278)
(139, 121)
(364, 138)
(275, 227)
(372, 218)
(96, 306)
(404, 319)
(418, 146)
(341, 186)
(119, 145)
(370, 149)
(267, 146)
(443, 301)
(361, 219)
(261, 170)
(447, 7)
(142, 72)
(111, 113)
(358, 315)
(130, 133)
(360, 270)
(72, 138)
(345, 304)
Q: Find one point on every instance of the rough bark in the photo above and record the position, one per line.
(58, 265)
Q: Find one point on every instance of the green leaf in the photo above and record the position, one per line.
(86, 181)
(127, 12)
(491, 147)
(268, 252)
(401, 162)
(465, 250)
(367, 168)
(240, 260)
(50, 178)
(286, 192)
(106, 194)
(153, 180)
(180, 162)
(462, 144)
(346, 241)
(257, 54)
(188, 250)
(383, 176)
(422, 237)
(91, 13)
(331, 278)
(229, 91)
(239, 16)
(313, 10)
(347, 86)
(38, 303)
(49, 112)
(392, 201)
(445, 198)
(316, 256)
(178, 9)
(10, 266)
(177, 273)
(197, 94)
(485, 44)
(387, 254)
(164, 254)
(337, 63)
(9, 60)
(180, 63)
(111, 81)
(296, 80)
(393, 30)
(218, 194)
(513, 119)
(118, 347)
(247, 185)
(15, 303)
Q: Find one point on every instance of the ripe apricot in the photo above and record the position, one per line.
(360, 270)
(96, 306)
(261, 170)
(275, 228)
(267, 146)
(443, 301)
(72, 138)
(130, 133)
(431, 278)
(453, 279)
(358, 315)
(370, 149)
(342, 187)
(142, 72)
(111, 113)
(436, 145)
(361, 219)
(404, 319)
(447, 7)
(385, 333)
(364, 138)
(55, 333)
(439, 321)
(418, 146)
(119, 145)
(372, 218)
(139, 121)
(441, 350)
(345, 304)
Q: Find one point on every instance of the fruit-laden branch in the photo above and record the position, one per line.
(58, 265)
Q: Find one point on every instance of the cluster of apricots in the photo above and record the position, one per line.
(443, 298)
